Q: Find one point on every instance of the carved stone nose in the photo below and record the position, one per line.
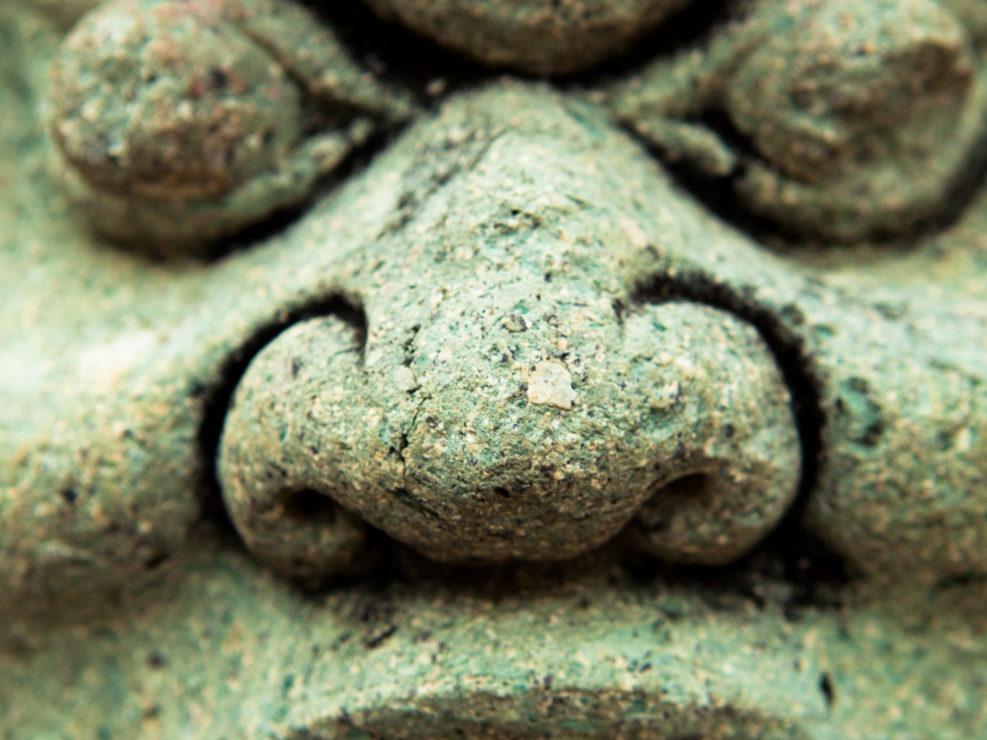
(516, 424)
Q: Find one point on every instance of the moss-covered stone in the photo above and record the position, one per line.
(178, 125)
(664, 371)
(839, 119)
(536, 36)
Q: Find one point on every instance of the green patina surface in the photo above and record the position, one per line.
(355, 358)
(533, 36)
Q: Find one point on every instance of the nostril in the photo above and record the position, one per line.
(695, 490)
(325, 539)
(309, 506)
(703, 517)
(684, 502)
(298, 526)
(692, 485)
(726, 459)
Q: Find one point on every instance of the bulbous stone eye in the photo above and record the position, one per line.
(864, 119)
(833, 119)
(178, 123)
(844, 85)
(169, 101)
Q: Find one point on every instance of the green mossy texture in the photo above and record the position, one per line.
(125, 611)
(836, 119)
(533, 36)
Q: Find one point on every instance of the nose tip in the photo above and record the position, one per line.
(507, 447)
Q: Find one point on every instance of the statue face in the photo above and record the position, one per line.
(506, 433)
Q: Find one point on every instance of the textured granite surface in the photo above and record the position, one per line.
(530, 418)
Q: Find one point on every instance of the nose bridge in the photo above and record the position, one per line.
(507, 324)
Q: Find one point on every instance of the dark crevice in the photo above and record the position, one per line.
(409, 346)
(309, 507)
(960, 580)
(155, 561)
(218, 396)
(960, 192)
(827, 689)
(719, 193)
(695, 485)
(375, 641)
(416, 62)
(373, 574)
(719, 121)
(688, 28)
(397, 54)
(809, 565)
(404, 442)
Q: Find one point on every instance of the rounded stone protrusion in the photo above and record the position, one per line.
(714, 505)
(845, 84)
(168, 102)
(296, 528)
(535, 36)
(177, 124)
(902, 491)
(862, 117)
(834, 119)
(487, 446)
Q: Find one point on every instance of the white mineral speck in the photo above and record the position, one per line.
(551, 384)
(404, 379)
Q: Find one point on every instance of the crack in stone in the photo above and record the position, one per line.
(404, 436)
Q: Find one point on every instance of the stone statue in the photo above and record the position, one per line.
(353, 388)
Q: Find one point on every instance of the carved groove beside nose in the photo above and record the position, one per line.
(672, 418)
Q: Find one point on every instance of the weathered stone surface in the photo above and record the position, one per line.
(515, 219)
(578, 651)
(536, 36)
(836, 118)
(179, 124)
(467, 466)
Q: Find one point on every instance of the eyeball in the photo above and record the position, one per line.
(845, 85)
(168, 101)
(178, 123)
